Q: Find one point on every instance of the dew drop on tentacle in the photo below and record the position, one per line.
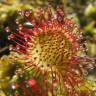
(17, 21)
(11, 47)
(10, 37)
(60, 14)
(7, 29)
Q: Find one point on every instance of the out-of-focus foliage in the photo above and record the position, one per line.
(85, 12)
(7, 8)
(8, 66)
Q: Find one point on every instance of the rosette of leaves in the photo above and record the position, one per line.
(61, 68)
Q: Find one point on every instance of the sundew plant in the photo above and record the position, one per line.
(53, 49)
